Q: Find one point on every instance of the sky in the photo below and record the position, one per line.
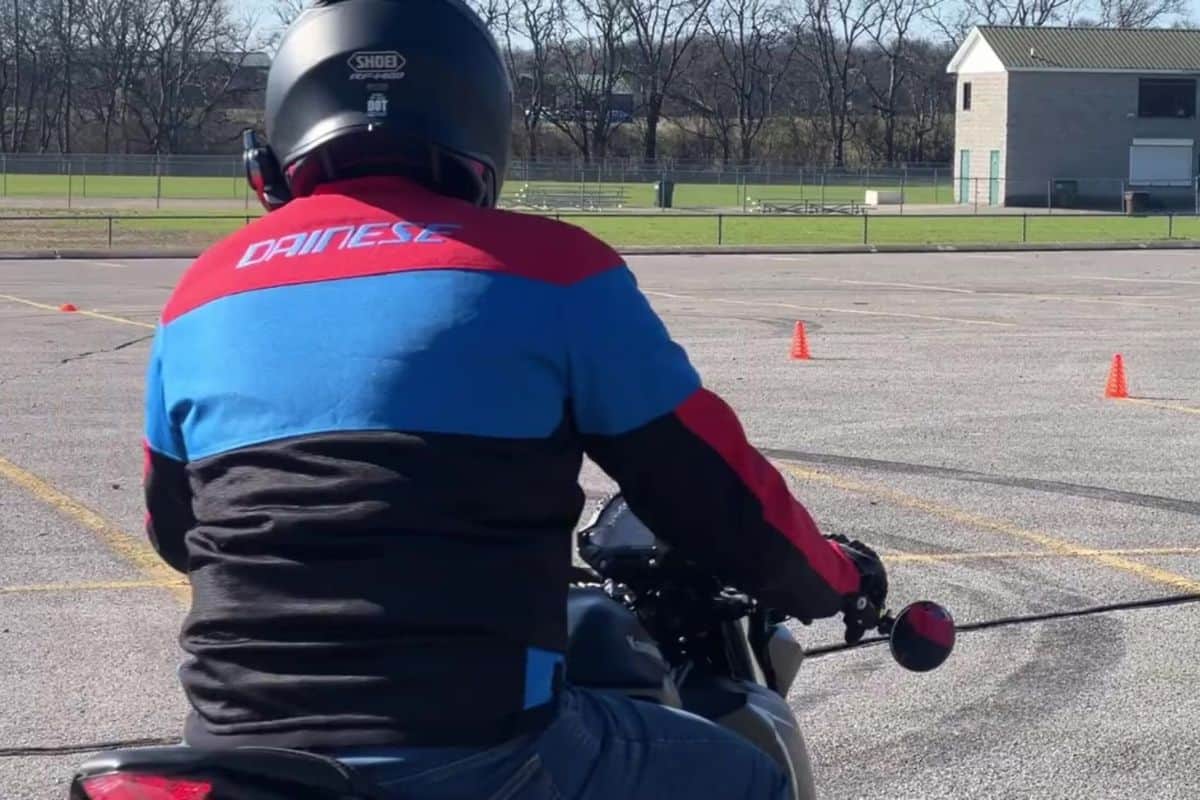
(261, 9)
(255, 9)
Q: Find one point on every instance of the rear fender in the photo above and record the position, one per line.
(247, 773)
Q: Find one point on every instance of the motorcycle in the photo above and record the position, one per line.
(643, 620)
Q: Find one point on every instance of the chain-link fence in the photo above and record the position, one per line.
(29, 179)
(719, 187)
(117, 181)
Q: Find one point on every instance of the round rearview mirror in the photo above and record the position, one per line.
(922, 636)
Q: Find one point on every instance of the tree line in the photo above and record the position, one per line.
(813, 81)
(819, 81)
(122, 76)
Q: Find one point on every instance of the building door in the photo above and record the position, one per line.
(994, 179)
(964, 176)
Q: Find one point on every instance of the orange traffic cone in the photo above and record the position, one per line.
(800, 343)
(1116, 379)
(68, 307)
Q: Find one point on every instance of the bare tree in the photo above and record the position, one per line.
(831, 32)
(115, 33)
(280, 14)
(529, 31)
(1138, 13)
(589, 49)
(1021, 12)
(492, 12)
(285, 12)
(930, 98)
(756, 50)
(663, 32)
(36, 57)
(707, 106)
(65, 25)
(953, 20)
(524, 30)
(195, 50)
(888, 71)
(160, 75)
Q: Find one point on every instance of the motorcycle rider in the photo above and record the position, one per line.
(365, 418)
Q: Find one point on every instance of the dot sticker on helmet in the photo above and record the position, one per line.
(377, 105)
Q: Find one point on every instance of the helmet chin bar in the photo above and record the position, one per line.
(263, 172)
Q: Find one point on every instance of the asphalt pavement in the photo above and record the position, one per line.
(952, 415)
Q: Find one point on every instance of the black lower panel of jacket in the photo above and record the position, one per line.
(375, 588)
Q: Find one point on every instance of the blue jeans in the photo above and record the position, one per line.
(601, 746)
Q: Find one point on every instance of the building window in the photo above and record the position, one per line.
(1167, 97)
(967, 96)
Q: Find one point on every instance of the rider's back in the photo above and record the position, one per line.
(370, 388)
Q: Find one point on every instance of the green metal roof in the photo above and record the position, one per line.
(1099, 49)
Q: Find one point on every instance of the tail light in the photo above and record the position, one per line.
(132, 786)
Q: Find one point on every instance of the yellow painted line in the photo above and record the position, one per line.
(132, 549)
(765, 303)
(1156, 404)
(924, 286)
(114, 318)
(935, 558)
(81, 312)
(985, 523)
(86, 586)
(1014, 295)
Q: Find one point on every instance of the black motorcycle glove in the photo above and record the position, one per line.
(863, 610)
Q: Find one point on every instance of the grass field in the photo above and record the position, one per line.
(183, 230)
(122, 186)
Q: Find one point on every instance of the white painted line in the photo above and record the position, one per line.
(92, 263)
(1137, 280)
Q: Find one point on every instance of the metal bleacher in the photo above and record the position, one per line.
(583, 197)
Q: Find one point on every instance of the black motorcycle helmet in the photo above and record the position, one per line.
(376, 87)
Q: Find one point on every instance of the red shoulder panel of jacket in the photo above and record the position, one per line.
(374, 226)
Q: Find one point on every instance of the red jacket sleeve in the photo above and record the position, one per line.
(692, 477)
(682, 459)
